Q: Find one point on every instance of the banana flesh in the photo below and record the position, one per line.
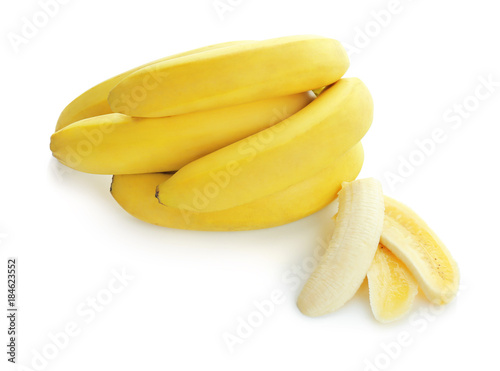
(276, 158)
(391, 285)
(230, 76)
(136, 194)
(408, 237)
(343, 267)
(120, 144)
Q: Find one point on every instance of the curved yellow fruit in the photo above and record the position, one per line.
(408, 237)
(276, 158)
(343, 267)
(94, 102)
(120, 144)
(392, 286)
(231, 76)
(136, 194)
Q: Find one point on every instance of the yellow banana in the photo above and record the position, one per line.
(120, 144)
(230, 76)
(278, 157)
(94, 102)
(392, 286)
(136, 194)
(344, 265)
(408, 237)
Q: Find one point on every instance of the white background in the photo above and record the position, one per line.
(189, 288)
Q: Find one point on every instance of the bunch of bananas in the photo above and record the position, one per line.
(226, 137)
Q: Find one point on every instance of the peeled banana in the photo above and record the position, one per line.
(279, 157)
(136, 194)
(408, 237)
(392, 286)
(344, 265)
(120, 144)
(230, 76)
(94, 102)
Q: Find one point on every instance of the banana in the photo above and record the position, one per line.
(344, 265)
(120, 144)
(94, 102)
(408, 237)
(279, 157)
(230, 76)
(391, 285)
(136, 194)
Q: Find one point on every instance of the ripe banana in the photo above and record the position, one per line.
(230, 76)
(392, 286)
(279, 157)
(344, 265)
(119, 144)
(408, 237)
(94, 102)
(136, 194)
